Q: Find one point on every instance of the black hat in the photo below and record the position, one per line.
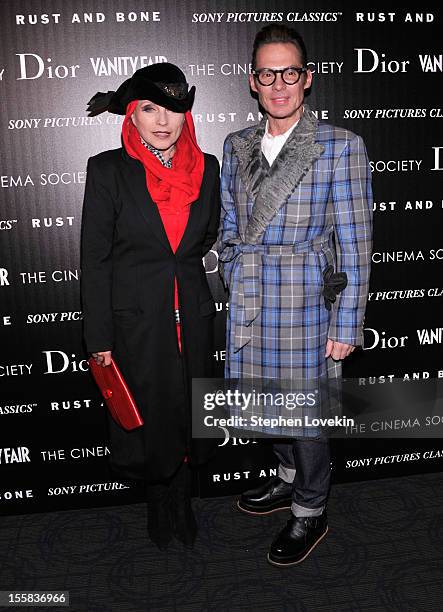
(163, 84)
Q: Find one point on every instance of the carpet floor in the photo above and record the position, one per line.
(383, 552)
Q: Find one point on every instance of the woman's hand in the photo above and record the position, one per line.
(103, 358)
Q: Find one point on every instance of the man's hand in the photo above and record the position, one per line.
(103, 358)
(338, 350)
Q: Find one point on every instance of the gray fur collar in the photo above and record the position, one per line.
(270, 188)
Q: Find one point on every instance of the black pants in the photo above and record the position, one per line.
(306, 463)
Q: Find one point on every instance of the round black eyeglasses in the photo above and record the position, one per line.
(290, 75)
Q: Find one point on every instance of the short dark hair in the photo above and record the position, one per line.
(278, 33)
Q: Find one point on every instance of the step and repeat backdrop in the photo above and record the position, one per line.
(377, 73)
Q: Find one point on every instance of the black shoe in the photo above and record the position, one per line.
(160, 515)
(297, 539)
(185, 525)
(184, 522)
(276, 494)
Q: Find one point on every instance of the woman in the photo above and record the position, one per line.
(151, 212)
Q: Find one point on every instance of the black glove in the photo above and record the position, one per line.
(334, 282)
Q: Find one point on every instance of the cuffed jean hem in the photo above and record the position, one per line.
(301, 511)
(286, 473)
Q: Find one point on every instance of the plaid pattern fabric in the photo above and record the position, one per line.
(289, 327)
(157, 153)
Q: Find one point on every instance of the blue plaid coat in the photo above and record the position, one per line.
(280, 229)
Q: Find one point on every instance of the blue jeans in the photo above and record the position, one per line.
(306, 464)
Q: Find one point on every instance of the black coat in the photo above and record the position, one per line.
(127, 285)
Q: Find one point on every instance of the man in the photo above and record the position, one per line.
(296, 216)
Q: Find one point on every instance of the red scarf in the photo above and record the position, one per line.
(178, 186)
(172, 189)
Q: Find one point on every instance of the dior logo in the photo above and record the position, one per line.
(376, 339)
(210, 262)
(32, 66)
(437, 163)
(369, 60)
(234, 441)
(58, 362)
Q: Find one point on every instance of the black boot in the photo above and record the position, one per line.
(297, 539)
(184, 522)
(159, 522)
(273, 495)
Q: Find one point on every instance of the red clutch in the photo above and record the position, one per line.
(116, 394)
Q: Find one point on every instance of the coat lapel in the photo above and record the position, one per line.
(136, 182)
(248, 151)
(271, 187)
